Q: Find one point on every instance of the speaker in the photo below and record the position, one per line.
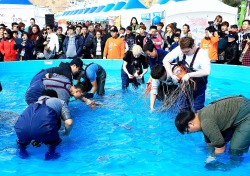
(49, 19)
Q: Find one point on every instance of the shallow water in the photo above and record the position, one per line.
(121, 137)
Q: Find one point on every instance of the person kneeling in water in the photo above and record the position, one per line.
(40, 122)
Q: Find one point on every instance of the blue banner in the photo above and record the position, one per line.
(159, 14)
(146, 16)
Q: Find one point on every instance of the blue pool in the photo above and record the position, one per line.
(119, 138)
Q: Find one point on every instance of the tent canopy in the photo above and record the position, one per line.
(211, 6)
(100, 8)
(92, 9)
(134, 4)
(20, 2)
(108, 7)
(119, 5)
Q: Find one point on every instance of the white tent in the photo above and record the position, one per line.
(22, 13)
(197, 13)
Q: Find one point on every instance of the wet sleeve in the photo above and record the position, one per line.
(212, 131)
(65, 113)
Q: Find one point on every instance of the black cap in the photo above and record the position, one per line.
(71, 27)
(233, 35)
(234, 26)
(113, 29)
(78, 62)
(3, 25)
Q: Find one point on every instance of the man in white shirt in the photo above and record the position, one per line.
(51, 44)
(198, 64)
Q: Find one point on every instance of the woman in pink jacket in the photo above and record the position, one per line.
(7, 46)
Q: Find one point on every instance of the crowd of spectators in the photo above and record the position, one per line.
(225, 43)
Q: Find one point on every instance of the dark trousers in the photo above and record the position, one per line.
(101, 79)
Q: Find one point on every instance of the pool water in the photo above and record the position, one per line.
(120, 137)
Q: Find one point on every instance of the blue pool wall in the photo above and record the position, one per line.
(230, 72)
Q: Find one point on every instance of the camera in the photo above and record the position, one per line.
(210, 23)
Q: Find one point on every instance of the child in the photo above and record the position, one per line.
(175, 43)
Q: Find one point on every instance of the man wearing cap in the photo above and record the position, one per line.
(129, 38)
(232, 49)
(73, 44)
(114, 46)
(223, 120)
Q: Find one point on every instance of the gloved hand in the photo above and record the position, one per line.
(210, 158)
(185, 78)
(88, 102)
(89, 95)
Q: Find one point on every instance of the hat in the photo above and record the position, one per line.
(233, 35)
(71, 27)
(3, 25)
(234, 26)
(114, 29)
(129, 28)
(78, 62)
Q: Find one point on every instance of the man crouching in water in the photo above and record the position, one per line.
(40, 122)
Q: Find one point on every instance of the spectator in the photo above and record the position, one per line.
(159, 29)
(139, 38)
(52, 45)
(79, 29)
(210, 43)
(99, 45)
(14, 26)
(32, 23)
(153, 37)
(87, 43)
(35, 32)
(40, 43)
(134, 24)
(26, 50)
(168, 36)
(176, 42)
(246, 52)
(122, 31)
(61, 38)
(129, 37)
(7, 46)
(21, 27)
(73, 44)
(231, 50)
(114, 46)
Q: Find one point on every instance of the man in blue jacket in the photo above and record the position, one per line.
(73, 44)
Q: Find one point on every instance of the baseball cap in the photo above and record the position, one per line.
(71, 27)
(233, 35)
(114, 29)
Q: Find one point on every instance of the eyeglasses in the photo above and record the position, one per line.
(48, 28)
(44, 33)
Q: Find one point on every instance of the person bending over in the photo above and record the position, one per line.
(223, 120)
(94, 77)
(40, 122)
(161, 85)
